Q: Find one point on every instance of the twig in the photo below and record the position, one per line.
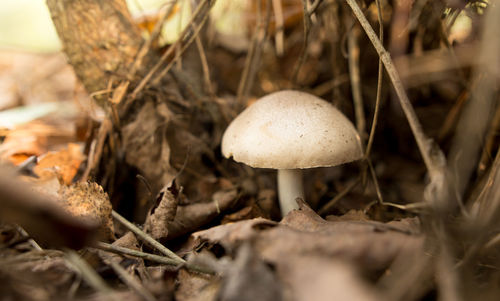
(88, 274)
(149, 42)
(184, 46)
(379, 85)
(355, 78)
(151, 257)
(428, 150)
(340, 195)
(132, 282)
(314, 6)
(96, 148)
(167, 54)
(253, 56)
(141, 234)
(278, 25)
(32, 242)
(303, 53)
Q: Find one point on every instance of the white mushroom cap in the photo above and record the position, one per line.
(291, 129)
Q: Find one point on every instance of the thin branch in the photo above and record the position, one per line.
(89, 274)
(340, 195)
(169, 52)
(152, 257)
(142, 235)
(279, 23)
(253, 56)
(431, 154)
(132, 282)
(379, 84)
(303, 53)
(355, 78)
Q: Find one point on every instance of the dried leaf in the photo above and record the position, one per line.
(229, 235)
(164, 212)
(194, 287)
(321, 278)
(89, 201)
(249, 279)
(62, 164)
(193, 216)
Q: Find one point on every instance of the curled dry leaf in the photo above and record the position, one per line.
(164, 212)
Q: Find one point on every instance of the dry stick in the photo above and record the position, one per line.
(147, 45)
(132, 282)
(314, 6)
(183, 48)
(151, 257)
(166, 55)
(88, 274)
(96, 148)
(253, 56)
(146, 237)
(341, 194)
(424, 144)
(279, 36)
(354, 76)
(303, 53)
(379, 85)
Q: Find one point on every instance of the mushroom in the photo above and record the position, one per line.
(290, 131)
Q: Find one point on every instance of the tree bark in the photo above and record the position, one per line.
(99, 39)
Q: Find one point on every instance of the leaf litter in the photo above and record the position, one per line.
(215, 223)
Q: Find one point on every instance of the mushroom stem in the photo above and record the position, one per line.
(289, 188)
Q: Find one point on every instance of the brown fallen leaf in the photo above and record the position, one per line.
(229, 235)
(35, 275)
(191, 217)
(371, 245)
(164, 212)
(63, 164)
(249, 278)
(322, 278)
(194, 287)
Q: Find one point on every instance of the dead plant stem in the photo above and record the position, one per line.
(144, 236)
(379, 84)
(169, 52)
(132, 282)
(151, 257)
(424, 144)
(303, 53)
